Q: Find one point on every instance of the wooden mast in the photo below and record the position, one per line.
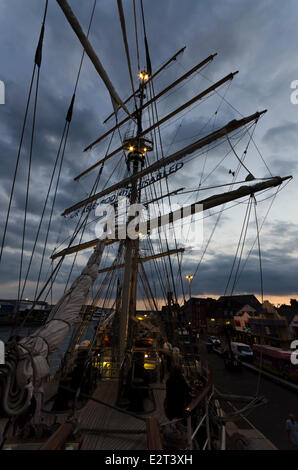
(136, 158)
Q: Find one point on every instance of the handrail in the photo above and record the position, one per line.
(198, 426)
(202, 399)
(206, 396)
(196, 401)
(58, 439)
(154, 441)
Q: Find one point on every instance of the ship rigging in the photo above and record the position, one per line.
(115, 275)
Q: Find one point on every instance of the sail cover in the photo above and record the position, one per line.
(30, 355)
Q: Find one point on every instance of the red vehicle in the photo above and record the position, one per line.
(143, 342)
(276, 361)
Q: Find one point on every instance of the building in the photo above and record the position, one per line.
(294, 326)
(241, 322)
(196, 311)
(233, 303)
(226, 308)
(267, 326)
(290, 312)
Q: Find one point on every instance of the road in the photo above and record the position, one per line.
(270, 418)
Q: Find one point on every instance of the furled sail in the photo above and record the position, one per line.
(27, 361)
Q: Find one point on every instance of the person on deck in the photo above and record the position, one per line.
(292, 431)
(177, 394)
(168, 351)
(138, 383)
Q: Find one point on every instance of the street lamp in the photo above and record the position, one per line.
(190, 278)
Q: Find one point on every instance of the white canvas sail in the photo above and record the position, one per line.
(32, 352)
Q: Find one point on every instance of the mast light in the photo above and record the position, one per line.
(143, 75)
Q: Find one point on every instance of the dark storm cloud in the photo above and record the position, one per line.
(252, 40)
(282, 137)
(279, 267)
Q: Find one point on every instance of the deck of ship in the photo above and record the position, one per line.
(104, 428)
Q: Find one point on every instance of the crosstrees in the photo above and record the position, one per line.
(164, 119)
(152, 77)
(205, 204)
(230, 127)
(148, 103)
(144, 260)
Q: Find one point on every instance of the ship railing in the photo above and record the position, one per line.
(193, 409)
(197, 417)
(222, 432)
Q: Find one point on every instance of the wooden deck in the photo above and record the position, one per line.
(103, 428)
(98, 423)
(159, 394)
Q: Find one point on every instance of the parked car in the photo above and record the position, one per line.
(215, 341)
(243, 351)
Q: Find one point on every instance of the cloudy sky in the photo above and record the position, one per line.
(259, 38)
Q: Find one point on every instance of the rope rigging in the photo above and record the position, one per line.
(259, 249)
(136, 33)
(37, 64)
(241, 239)
(240, 161)
(107, 292)
(200, 188)
(63, 142)
(124, 34)
(235, 175)
(62, 145)
(155, 115)
(28, 180)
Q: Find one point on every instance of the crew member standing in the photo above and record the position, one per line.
(177, 394)
(292, 430)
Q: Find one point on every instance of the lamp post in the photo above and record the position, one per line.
(190, 278)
